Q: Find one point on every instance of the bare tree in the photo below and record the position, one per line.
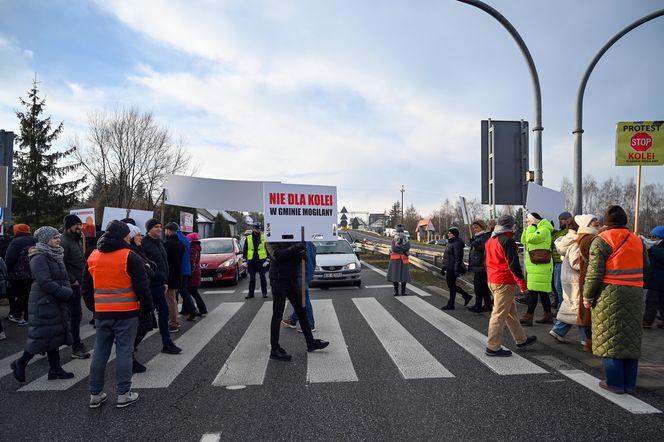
(128, 155)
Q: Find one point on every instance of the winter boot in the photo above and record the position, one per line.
(527, 319)
(546, 319)
(588, 346)
(396, 289)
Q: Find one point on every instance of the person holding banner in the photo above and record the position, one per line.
(397, 270)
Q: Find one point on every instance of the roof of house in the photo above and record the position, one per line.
(208, 216)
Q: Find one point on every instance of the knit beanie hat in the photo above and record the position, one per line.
(133, 231)
(149, 224)
(71, 220)
(565, 215)
(192, 236)
(172, 226)
(398, 228)
(615, 216)
(584, 223)
(22, 228)
(479, 223)
(454, 231)
(658, 232)
(504, 224)
(117, 229)
(46, 233)
(128, 221)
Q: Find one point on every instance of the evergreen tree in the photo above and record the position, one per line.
(394, 215)
(40, 195)
(221, 227)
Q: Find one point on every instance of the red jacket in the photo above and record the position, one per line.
(502, 261)
(195, 257)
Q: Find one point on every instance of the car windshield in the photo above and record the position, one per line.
(216, 246)
(333, 247)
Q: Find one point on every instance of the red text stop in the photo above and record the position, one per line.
(641, 141)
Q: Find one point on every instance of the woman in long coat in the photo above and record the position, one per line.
(195, 281)
(588, 229)
(614, 289)
(47, 307)
(537, 237)
(397, 270)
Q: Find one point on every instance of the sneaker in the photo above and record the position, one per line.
(22, 322)
(607, 387)
(529, 340)
(559, 338)
(97, 399)
(289, 323)
(280, 355)
(501, 353)
(137, 367)
(317, 344)
(14, 319)
(192, 316)
(313, 329)
(125, 400)
(171, 349)
(3, 336)
(173, 329)
(80, 351)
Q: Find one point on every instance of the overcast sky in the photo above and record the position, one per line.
(364, 95)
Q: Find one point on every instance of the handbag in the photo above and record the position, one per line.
(541, 256)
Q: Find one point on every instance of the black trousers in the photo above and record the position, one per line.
(202, 308)
(75, 314)
(283, 289)
(52, 355)
(482, 292)
(253, 267)
(451, 278)
(18, 294)
(654, 302)
(532, 301)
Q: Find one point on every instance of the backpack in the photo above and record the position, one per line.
(21, 269)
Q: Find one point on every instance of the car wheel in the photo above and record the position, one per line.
(236, 279)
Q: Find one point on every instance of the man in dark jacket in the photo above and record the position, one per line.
(284, 270)
(154, 251)
(115, 288)
(477, 266)
(174, 253)
(654, 278)
(453, 267)
(18, 273)
(74, 262)
(255, 255)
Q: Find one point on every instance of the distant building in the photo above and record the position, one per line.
(205, 218)
(425, 231)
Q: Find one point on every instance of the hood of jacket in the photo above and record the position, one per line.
(108, 244)
(545, 224)
(563, 243)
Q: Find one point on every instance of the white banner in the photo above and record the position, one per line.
(290, 207)
(88, 218)
(464, 210)
(140, 216)
(548, 203)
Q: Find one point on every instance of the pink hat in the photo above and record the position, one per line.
(192, 236)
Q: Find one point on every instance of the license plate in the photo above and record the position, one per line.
(207, 279)
(332, 275)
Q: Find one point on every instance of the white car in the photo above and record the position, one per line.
(336, 263)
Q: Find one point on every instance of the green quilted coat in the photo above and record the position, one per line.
(618, 309)
(539, 276)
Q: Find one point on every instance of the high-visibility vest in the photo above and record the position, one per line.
(403, 258)
(262, 252)
(114, 290)
(625, 264)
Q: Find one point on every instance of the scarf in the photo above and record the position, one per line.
(55, 253)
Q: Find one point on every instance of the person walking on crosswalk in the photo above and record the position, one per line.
(397, 270)
(284, 270)
(536, 238)
(453, 268)
(116, 288)
(504, 275)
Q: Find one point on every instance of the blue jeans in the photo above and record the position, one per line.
(160, 304)
(621, 373)
(310, 310)
(563, 328)
(123, 333)
(557, 283)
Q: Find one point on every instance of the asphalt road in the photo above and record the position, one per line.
(412, 381)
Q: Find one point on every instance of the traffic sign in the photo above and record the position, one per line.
(640, 143)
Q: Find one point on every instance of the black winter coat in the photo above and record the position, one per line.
(155, 252)
(285, 260)
(476, 260)
(74, 258)
(453, 256)
(48, 312)
(174, 252)
(19, 242)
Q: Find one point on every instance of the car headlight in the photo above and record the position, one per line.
(351, 266)
(229, 263)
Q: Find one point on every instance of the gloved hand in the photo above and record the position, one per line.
(266, 264)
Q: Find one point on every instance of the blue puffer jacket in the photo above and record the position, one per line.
(654, 277)
(186, 259)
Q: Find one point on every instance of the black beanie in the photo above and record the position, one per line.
(70, 220)
(172, 226)
(129, 221)
(149, 224)
(615, 216)
(536, 215)
(117, 229)
(454, 231)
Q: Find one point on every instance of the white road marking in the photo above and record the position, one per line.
(218, 292)
(410, 287)
(380, 286)
(87, 330)
(248, 362)
(332, 364)
(257, 292)
(469, 339)
(410, 357)
(163, 368)
(625, 401)
(211, 437)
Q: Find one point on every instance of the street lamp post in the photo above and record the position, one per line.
(578, 131)
(402, 191)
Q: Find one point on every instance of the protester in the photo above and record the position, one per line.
(504, 275)
(195, 280)
(284, 270)
(255, 255)
(115, 287)
(654, 279)
(536, 239)
(174, 253)
(48, 306)
(563, 221)
(477, 265)
(18, 273)
(453, 267)
(3, 292)
(154, 251)
(588, 229)
(188, 307)
(397, 270)
(74, 262)
(614, 289)
(310, 267)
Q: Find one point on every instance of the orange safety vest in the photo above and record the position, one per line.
(114, 290)
(625, 264)
(403, 258)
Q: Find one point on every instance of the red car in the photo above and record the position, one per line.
(221, 260)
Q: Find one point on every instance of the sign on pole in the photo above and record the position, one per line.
(289, 208)
(186, 222)
(546, 202)
(88, 218)
(140, 216)
(640, 143)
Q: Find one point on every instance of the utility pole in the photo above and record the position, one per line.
(402, 191)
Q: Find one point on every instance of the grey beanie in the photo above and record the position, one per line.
(398, 228)
(46, 233)
(565, 215)
(506, 221)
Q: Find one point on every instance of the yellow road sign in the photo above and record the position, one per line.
(640, 143)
